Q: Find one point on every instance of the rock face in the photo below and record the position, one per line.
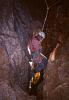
(7, 90)
(56, 86)
(14, 35)
(15, 30)
(57, 82)
(14, 43)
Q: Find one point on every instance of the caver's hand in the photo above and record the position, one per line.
(52, 56)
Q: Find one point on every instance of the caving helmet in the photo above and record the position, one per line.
(41, 34)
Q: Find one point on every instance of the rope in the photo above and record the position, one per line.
(55, 3)
(45, 16)
(48, 11)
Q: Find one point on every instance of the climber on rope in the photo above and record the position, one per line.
(38, 60)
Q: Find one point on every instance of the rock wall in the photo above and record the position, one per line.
(57, 77)
(15, 25)
(56, 86)
(10, 41)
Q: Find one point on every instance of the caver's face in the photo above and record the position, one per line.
(40, 38)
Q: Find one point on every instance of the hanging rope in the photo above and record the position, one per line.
(54, 3)
(48, 12)
(45, 16)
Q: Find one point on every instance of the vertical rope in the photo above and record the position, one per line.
(46, 15)
(48, 11)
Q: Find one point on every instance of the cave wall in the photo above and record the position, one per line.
(10, 41)
(17, 22)
(57, 75)
(15, 30)
(56, 25)
(56, 86)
